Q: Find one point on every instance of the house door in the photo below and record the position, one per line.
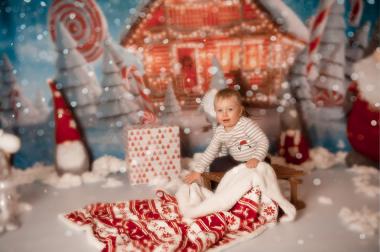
(188, 74)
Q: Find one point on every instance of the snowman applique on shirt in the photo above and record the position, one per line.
(242, 144)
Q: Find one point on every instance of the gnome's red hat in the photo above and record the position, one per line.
(65, 124)
(72, 155)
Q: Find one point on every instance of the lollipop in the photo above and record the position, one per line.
(85, 22)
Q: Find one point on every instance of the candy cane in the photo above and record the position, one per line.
(147, 103)
(148, 118)
(318, 25)
(356, 12)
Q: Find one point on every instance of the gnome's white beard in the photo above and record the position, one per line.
(9, 143)
(71, 156)
(368, 78)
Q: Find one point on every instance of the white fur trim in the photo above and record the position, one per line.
(71, 156)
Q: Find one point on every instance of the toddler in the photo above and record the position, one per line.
(236, 135)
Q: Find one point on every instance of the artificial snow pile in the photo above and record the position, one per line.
(101, 169)
(365, 221)
(323, 159)
(112, 183)
(362, 180)
(325, 200)
(37, 172)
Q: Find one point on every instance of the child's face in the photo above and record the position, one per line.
(228, 111)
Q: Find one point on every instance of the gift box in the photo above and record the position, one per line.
(152, 152)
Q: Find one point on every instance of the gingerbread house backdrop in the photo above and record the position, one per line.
(255, 42)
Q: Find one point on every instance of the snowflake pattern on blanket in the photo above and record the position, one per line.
(157, 225)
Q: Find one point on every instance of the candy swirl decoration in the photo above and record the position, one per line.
(85, 22)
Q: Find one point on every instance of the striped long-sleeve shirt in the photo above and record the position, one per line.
(244, 142)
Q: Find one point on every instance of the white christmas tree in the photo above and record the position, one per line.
(7, 94)
(28, 114)
(329, 87)
(218, 81)
(125, 57)
(131, 69)
(299, 84)
(40, 103)
(75, 78)
(355, 49)
(116, 104)
(171, 104)
(131, 66)
(16, 109)
(115, 53)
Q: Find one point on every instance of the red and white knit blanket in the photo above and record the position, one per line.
(157, 225)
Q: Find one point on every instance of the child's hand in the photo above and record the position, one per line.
(252, 163)
(193, 176)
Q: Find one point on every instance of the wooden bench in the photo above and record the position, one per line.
(282, 172)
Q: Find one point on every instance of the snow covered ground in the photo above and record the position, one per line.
(342, 206)
(341, 214)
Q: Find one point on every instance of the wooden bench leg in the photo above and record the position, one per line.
(299, 204)
(207, 183)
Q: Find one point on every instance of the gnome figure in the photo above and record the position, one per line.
(71, 154)
(294, 146)
(8, 196)
(363, 117)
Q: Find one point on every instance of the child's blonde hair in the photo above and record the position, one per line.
(229, 93)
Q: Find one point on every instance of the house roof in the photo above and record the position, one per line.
(288, 21)
(281, 14)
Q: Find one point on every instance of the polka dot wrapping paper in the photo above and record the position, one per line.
(152, 152)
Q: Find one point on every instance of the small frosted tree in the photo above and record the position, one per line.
(115, 103)
(218, 81)
(329, 87)
(15, 108)
(75, 78)
(8, 82)
(171, 104)
(40, 104)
